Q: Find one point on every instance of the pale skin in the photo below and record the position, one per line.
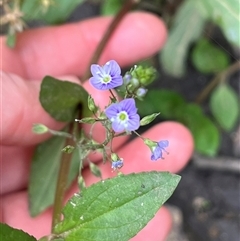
(64, 52)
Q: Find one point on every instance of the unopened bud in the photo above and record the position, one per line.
(141, 92)
(148, 119)
(39, 128)
(145, 75)
(91, 104)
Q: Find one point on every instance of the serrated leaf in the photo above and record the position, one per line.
(205, 133)
(57, 12)
(116, 209)
(165, 101)
(44, 173)
(11, 234)
(187, 27)
(225, 106)
(111, 7)
(226, 15)
(208, 58)
(61, 98)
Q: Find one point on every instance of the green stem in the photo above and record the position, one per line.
(62, 183)
(218, 78)
(110, 30)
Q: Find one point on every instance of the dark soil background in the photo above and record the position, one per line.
(208, 198)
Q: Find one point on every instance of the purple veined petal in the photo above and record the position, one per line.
(134, 123)
(115, 68)
(112, 111)
(117, 80)
(96, 83)
(129, 106)
(96, 70)
(156, 154)
(164, 143)
(107, 68)
(118, 127)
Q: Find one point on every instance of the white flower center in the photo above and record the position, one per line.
(106, 79)
(123, 118)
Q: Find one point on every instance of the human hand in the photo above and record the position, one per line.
(65, 51)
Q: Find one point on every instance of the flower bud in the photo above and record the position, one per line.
(95, 170)
(127, 78)
(39, 129)
(91, 104)
(114, 157)
(68, 149)
(141, 92)
(148, 119)
(145, 75)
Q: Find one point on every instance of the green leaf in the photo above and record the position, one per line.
(62, 98)
(148, 119)
(187, 27)
(95, 170)
(44, 173)
(165, 101)
(56, 13)
(205, 133)
(225, 13)
(225, 106)
(111, 7)
(116, 209)
(208, 58)
(11, 234)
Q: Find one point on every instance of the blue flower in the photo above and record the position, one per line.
(117, 164)
(106, 77)
(123, 115)
(157, 151)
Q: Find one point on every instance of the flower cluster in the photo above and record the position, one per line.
(122, 116)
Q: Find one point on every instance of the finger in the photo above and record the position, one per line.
(15, 167)
(21, 108)
(67, 49)
(15, 213)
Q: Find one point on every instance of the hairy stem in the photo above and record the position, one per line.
(117, 19)
(61, 184)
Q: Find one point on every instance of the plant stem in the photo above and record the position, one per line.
(62, 182)
(110, 30)
(219, 77)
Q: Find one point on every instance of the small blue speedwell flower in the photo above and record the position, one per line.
(123, 115)
(157, 148)
(117, 164)
(106, 77)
